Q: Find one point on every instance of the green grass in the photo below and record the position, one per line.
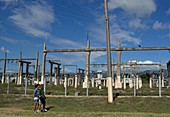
(20, 105)
(59, 90)
(87, 106)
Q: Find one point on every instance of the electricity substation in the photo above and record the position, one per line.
(123, 78)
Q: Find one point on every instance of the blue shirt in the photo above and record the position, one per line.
(36, 92)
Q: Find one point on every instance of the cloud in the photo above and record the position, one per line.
(126, 36)
(145, 67)
(95, 55)
(138, 8)
(159, 25)
(65, 43)
(3, 49)
(33, 18)
(17, 41)
(118, 29)
(146, 62)
(68, 58)
(79, 2)
(9, 40)
(137, 24)
(97, 32)
(8, 3)
(168, 12)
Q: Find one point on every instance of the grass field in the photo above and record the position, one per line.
(18, 105)
(59, 90)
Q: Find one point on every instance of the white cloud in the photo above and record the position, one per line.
(65, 43)
(9, 40)
(126, 36)
(16, 41)
(95, 55)
(137, 24)
(34, 19)
(116, 32)
(159, 25)
(8, 3)
(145, 62)
(145, 66)
(168, 12)
(3, 49)
(68, 58)
(79, 2)
(137, 7)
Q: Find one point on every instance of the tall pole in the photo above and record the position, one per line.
(113, 83)
(4, 70)
(58, 73)
(87, 67)
(36, 68)
(38, 72)
(118, 84)
(43, 69)
(160, 78)
(8, 89)
(26, 78)
(51, 72)
(20, 70)
(109, 75)
(43, 65)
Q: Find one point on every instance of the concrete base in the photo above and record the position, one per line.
(85, 84)
(3, 79)
(157, 84)
(130, 83)
(150, 83)
(137, 83)
(75, 81)
(113, 83)
(140, 83)
(118, 84)
(163, 83)
(56, 81)
(92, 82)
(124, 83)
(100, 87)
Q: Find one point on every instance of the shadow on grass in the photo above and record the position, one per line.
(48, 108)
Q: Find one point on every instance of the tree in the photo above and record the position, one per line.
(145, 77)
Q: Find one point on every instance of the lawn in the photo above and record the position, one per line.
(16, 104)
(19, 105)
(59, 90)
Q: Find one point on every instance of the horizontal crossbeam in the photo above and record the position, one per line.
(17, 59)
(104, 49)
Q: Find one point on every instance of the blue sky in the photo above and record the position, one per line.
(26, 24)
